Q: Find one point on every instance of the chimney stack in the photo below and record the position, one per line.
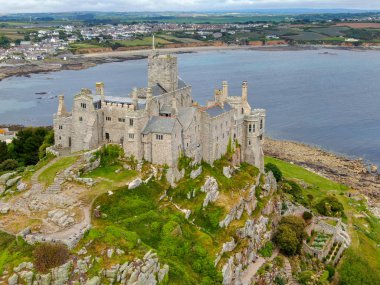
(135, 98)
(225, 90)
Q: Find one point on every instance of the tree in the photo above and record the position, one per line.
(275, 170)
(50, 255)
(4, 155)
(286, 239)
(27, 143)
(4, 41)
(307, 216)
(330, 206)
(290, 235)
(9, 164)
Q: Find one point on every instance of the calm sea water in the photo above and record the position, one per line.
(331, 100)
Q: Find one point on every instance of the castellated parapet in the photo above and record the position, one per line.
(161, 122)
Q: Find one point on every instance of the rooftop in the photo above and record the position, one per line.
(162, 125)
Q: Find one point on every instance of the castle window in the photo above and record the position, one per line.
(83, 105)
(80, 119)
(131, 136)
(108, 118)
(250, 128)
(253, 128)
(249, 142)
(60, 127)
(159, 137)
(121, 120)
(59, 137)
(261, 124)
(242, 110)
(131, 122)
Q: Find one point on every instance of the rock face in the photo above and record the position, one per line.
(211, 189)
(60, 218)
(270, 184)
(227, 171)
(12, 181)
(5, 177)
(4, 208)
(61, 274)
(195, 173)
(135, 183)
(248, 204)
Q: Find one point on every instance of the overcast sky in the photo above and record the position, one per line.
(22, 6)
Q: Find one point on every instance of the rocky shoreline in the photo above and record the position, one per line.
(351, 172)
(74, 63)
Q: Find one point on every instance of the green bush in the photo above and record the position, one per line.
(307, 216)
(275, 170)
(266, 250)
(9, 164)
(290, 234)
(330, 206)
(306, 277)
(4, 154)
(109, 154)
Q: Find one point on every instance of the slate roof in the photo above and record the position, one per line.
(216, 110)
(161, 125)
(181, 83)
(186, 115)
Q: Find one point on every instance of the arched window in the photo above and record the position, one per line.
(250, 128)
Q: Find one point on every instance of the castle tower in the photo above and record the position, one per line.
(244, 98)
(163, 70)
(61, 106)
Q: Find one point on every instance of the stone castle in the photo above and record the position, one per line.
(161, 122)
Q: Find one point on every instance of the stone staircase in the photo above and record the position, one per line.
(288, 270)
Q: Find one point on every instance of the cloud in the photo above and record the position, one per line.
(24, 6)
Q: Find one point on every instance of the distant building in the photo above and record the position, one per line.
(161, 122)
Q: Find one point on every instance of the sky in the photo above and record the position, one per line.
(24, 6)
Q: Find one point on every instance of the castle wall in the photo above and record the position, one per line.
(192, 139)
(216, 135)
(62, 131)
(86, 124)
(114, 116)
(134, 142)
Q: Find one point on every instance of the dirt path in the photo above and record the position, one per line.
(288, 270)
(250, 272)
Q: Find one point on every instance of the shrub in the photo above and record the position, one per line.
(307, 216)
(279, 280)
(305, 277)
(290, 234)
(9, 164)
(4, 154)
(49, 255)
(275, 170)
(109, 154)
(266, 250)
(330, 206)
(331, 271)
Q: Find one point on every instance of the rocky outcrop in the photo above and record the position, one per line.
(5, 177)
(211, 189)
(248, 204)
(270, 184)
(61, 218)
(12, 181)
(227, 171)
(135, 183)
(195, 173)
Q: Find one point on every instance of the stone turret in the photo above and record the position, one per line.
(61, 106)
(244, 91)
(99, 86)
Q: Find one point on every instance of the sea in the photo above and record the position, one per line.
(327, 98)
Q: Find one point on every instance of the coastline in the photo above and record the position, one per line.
(84, 61)
(353, 173)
